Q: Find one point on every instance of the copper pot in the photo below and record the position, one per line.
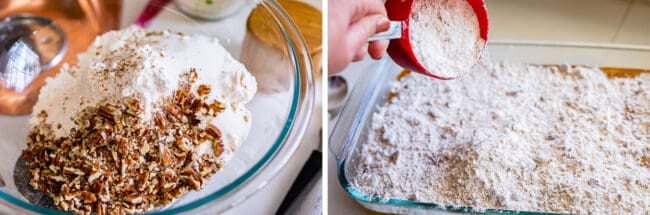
(81, 20)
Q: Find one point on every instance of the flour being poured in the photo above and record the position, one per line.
(445, 36)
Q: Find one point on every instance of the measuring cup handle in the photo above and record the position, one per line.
(393, 32)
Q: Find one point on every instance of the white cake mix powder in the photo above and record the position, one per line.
(445, 36)
(148, 65)
(514, 136)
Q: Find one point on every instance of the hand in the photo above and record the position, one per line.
(351, 23)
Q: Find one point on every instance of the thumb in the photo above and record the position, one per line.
(364, 28)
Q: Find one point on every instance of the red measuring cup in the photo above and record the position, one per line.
(399, 48)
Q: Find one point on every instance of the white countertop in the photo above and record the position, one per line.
(339, 202)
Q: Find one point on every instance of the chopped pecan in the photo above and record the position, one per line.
(173, 110)
(107, 164)
(213, 131)
(109, 111)
(165, 155)
(218, 148)
(160, 120)
(134, 198)
(193, 76)
(203, 90)
(88, 197)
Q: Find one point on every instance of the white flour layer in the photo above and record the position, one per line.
(445, 36)
(514, 136)
(148, 65)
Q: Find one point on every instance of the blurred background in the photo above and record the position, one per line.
(597, 21)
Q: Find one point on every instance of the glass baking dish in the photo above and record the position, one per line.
(351, 130)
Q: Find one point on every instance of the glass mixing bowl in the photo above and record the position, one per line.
(280, 118)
